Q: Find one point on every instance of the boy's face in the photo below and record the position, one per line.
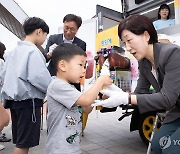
(73, 70)
(41, 37)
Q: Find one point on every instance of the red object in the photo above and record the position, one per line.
(90, 66)
(117, 60)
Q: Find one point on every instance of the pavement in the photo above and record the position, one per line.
(103, 134)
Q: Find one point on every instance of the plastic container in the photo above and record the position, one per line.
(90, 65)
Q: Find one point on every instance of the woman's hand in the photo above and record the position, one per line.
(116, 97)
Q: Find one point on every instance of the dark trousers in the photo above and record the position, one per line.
(167, 139)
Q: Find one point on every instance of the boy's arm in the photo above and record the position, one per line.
(87, 109)
(91, 94)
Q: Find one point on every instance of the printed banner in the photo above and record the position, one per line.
(107, 38)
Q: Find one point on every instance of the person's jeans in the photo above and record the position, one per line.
(167, 139)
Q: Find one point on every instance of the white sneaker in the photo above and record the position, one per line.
(1, 147)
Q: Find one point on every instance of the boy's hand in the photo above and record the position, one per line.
(115, 99)
(113, 87)
(51, 49)
(105, 80)
(105, 68)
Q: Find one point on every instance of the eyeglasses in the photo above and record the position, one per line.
(72, 29)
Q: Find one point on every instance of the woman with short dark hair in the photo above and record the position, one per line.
(159, 66)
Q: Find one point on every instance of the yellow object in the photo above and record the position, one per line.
(99, 107)
(148, 126)
(85, 118)
(98, 67)
(177, 3)
(97, 70)
(107, 38)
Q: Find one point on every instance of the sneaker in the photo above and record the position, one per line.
(3, 138)
(1, 147)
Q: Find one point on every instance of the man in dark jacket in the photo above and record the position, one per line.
(71, 26)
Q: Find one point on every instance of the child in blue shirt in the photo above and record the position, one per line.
(25, 80)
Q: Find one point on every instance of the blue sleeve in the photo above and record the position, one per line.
(155, 23)
(38, 74)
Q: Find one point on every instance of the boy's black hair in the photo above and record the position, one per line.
(2, 49)
(72, 17)
(33, 23)
(65, 51)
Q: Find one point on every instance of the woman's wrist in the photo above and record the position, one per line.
(133, 99)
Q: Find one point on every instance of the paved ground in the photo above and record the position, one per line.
(104, 134)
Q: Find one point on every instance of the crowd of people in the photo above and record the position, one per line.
(25, 71)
